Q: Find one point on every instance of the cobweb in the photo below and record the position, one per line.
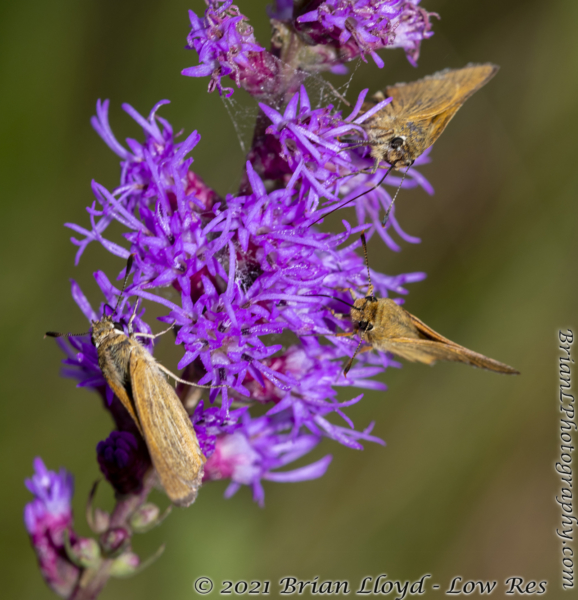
(243, 113)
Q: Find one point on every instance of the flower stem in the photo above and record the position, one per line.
(92, 580)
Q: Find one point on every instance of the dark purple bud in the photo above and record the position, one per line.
(123, 460)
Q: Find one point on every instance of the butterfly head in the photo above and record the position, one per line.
(395, 151)
(101, 329)
(364, 312)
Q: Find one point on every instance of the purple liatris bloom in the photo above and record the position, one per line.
(318, 164)
(226, 46)
(310, 147)
(210, 423)
(410, 28)
(258, 299)
(253, 452)
(48, 519)
(281, 9)
(245, 268)
(147, 172)
(360, 27)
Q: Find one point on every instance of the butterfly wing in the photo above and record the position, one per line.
(440, 92)
(428, 105)
(420, 111)
(433, 346)
(113, 360)
(429, 351)
(426, 332)
(167, 430)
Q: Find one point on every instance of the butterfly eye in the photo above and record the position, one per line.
(371, 298)
(365, 326)
(396, 142)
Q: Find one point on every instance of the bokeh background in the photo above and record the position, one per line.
(466, 484)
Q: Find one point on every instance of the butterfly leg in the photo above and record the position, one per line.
(152, 336)
(375, 165)
(133, 316)
(338, 315)
(171, 374)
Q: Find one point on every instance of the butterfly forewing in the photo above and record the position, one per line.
(429, 351)
(438, 93)
(113, 359)
(425, 331)
(391, 328)
(167, 429)
(420, 111)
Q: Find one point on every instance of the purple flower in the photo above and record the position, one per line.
(242, 272)
(360, 27)
(372, 202)
(253, 285)
(225, 43)
(309, 143)
(252, 453)
(245, 269)
(123, 460)
(149, 173)
(281, 10)
(410, 28)
(318, 164)
(48, 518)
(210, 423)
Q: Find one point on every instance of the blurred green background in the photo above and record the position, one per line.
(466, 484)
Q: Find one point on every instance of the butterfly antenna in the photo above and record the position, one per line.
(364, 243)
(129, 264)
(55, 334)
(350, 361)
(386, 217)
(354, 198)
(332, 297)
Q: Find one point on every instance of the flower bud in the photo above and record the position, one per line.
(123, 460)
(85, 552)
(145, 517)
(125, 565)
(114, 540)
(101, 520)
